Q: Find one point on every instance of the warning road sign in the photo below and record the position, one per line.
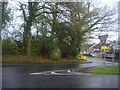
(103, 38)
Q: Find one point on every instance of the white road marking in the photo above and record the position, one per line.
(58, 73)
(68, 71)
(87, 74)
(36, 73)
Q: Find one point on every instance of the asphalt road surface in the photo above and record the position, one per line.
(57, 76)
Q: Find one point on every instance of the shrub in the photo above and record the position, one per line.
(9, 46)
(55, 55)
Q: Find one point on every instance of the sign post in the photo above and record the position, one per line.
(113, 52)
(103, 39)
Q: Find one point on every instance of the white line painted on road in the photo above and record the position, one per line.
(68, 71)
(87, 74)
(52, 73)
(36, 73)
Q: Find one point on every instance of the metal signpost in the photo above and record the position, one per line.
(113, 58)
(103, 39)
(113, 52)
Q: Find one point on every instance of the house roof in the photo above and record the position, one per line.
(99, 45)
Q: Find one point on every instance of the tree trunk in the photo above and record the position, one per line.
(28, 44)
(27, 38)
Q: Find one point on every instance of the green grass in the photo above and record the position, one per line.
(32, 59)
(106, 70)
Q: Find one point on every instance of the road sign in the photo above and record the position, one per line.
(103, 47)
(103, 38)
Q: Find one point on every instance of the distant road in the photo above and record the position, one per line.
(97, 62)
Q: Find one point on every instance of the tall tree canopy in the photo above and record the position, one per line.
(62, 25)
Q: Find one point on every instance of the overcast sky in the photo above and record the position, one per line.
(111, 35)
(110, 3)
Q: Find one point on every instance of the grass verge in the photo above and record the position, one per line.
(32, 59)
(105, 70)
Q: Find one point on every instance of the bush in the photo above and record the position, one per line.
(9, 46)
(55, 55)
(70, 52)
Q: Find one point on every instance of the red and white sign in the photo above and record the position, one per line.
(103, 38)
